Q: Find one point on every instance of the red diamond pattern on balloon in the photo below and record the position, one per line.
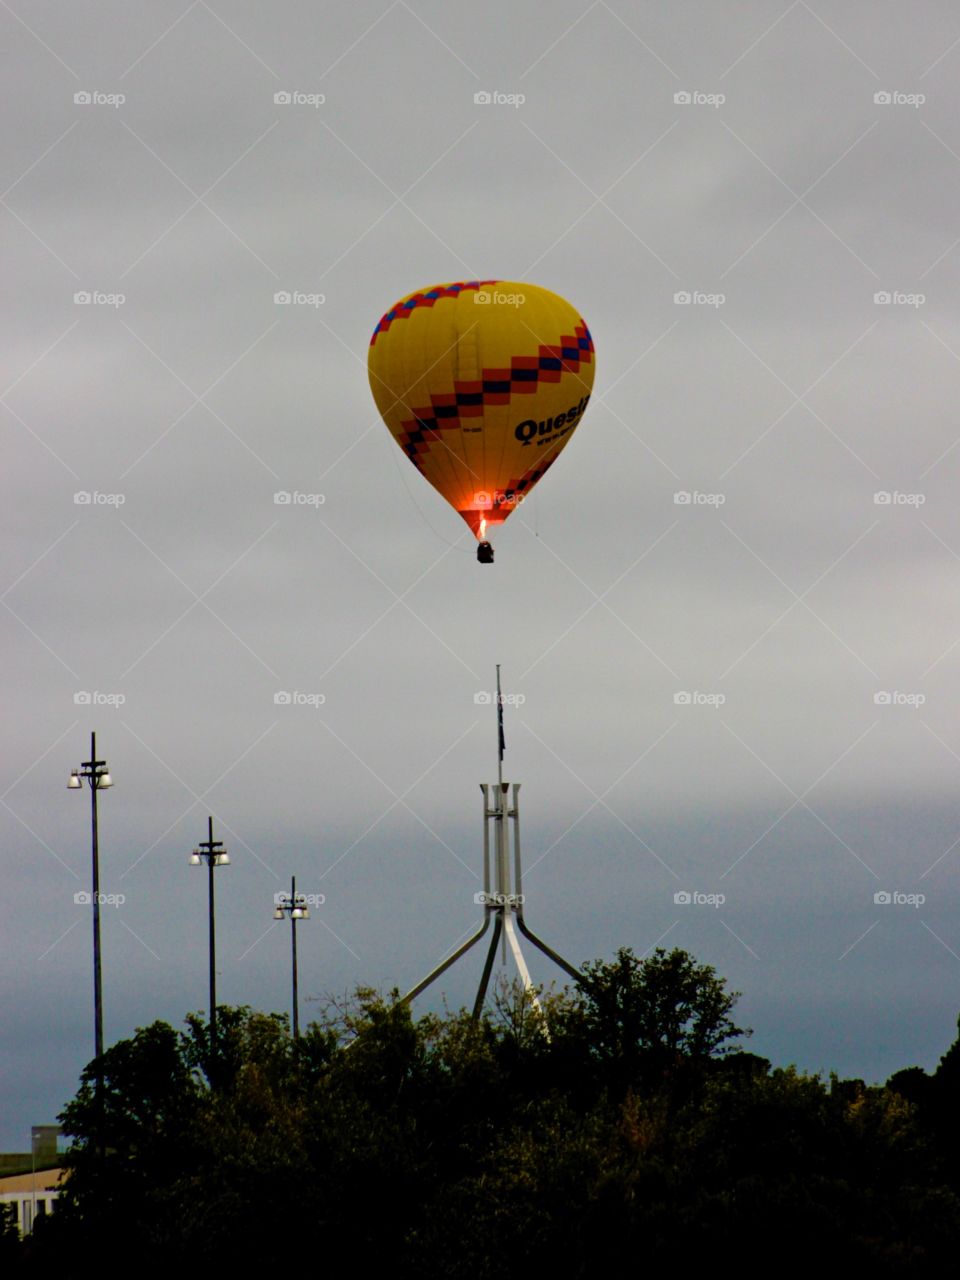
(425, 299)
(495, 387)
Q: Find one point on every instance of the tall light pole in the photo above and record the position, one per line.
(96, 773)
(216, 856)
(296, 906)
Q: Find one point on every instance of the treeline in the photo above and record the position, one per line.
(599, 1131)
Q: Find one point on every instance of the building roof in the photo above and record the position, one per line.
(46, 1180)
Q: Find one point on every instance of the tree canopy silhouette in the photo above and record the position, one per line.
(578, 1132)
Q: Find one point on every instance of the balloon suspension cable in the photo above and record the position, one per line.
(454, 546)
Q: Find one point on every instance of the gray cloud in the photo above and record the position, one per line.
(198, 598)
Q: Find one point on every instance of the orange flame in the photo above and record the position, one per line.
(483, 528)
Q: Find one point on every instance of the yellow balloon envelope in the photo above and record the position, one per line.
(482, 383)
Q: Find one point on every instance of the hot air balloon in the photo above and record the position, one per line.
(482, 383)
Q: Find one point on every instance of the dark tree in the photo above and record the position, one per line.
(651, 1021)
(578, 1133)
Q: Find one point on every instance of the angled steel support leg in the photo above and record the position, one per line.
(444, 965)
(505, 901)
(488, 967)
(548, 951)
(517, 874)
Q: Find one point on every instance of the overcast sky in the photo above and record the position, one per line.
(778, 164)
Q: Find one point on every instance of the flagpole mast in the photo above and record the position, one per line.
(504, 905)
(501, 744)
(503, 866)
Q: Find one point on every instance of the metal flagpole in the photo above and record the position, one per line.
(502, 902)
